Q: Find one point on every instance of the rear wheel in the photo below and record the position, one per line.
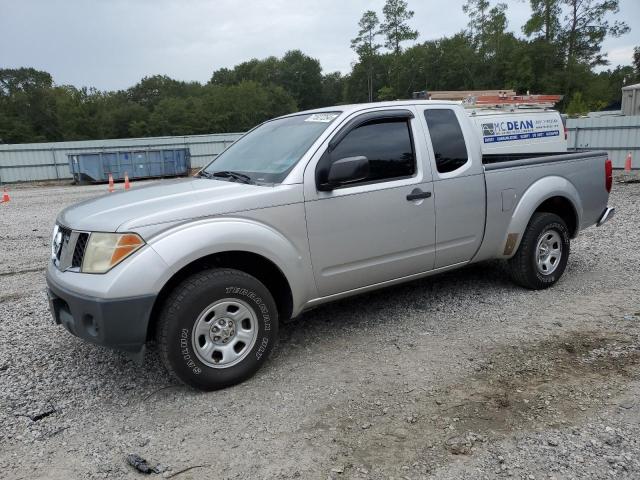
(543, 253)
(217, 328)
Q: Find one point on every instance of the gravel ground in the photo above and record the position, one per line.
(462, 375)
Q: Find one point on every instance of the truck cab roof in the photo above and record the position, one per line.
(355, 107)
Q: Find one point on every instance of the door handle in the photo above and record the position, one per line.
(418, 194)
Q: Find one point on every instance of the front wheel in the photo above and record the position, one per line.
(543, 253)
(217, 328)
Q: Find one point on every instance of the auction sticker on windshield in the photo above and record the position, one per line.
(322, 117)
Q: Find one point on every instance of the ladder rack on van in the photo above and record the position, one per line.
(508, 107)
(511, 101)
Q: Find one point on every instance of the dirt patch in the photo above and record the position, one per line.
(10, 297)
(521, 387)
(550, 381)
(628, 178)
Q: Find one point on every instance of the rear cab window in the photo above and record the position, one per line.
(449, 146)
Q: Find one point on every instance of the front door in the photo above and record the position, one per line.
(382, 227)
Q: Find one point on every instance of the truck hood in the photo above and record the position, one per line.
(171, 201)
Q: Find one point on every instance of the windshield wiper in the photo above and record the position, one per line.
(240, 177)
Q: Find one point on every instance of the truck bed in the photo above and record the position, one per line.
(516, 183)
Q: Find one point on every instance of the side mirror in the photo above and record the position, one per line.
(344, 171)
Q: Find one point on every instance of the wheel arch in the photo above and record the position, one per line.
(564, 208)
(549, 194)
(244, 244)
(256, 265)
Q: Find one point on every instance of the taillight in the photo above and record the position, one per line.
(566, 133)
(608, 174)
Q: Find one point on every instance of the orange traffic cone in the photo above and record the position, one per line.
(127, 185)
(627, 163)
(5, 196)
(110, 183)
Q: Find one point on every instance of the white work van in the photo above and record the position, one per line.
(519, 130)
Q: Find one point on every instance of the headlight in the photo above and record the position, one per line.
(105, 250)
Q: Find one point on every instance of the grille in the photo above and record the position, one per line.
(72, 248)
(64, 243)
(78, 252)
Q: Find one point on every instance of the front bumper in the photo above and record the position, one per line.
(117, 323)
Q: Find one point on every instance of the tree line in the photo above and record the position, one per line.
(557, 51)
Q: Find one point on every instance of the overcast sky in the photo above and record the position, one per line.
(112, 44)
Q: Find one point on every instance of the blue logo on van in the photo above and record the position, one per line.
(487, 129)
(513, 130)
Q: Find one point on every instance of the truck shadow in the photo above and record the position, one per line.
(429, 297)
(372, 312)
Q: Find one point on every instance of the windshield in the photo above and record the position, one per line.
(269, 152)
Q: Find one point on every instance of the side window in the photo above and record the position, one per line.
(386, 143)
(447, 139)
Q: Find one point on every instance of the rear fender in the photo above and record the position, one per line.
(531, 199)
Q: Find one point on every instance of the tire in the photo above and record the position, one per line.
(217, 328)
(545, 231)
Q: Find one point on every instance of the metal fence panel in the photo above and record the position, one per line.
(618, 135)
(50, 161)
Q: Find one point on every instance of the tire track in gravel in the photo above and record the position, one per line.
(18, 272)
(553, 381)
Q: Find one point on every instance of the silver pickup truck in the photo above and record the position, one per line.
(306, 209)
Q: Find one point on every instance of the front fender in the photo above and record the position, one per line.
(531, 199)
(187, 243)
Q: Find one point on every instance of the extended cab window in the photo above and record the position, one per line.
(386, 143)
(448, 142)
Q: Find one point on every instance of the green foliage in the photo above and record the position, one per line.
(357, 84)
(395, 27)
(13, 81)
(301, 75)
(586, 28)
(333, 88)
(577, 105)
(365, 42)
(559, 55)
(33, 110)
(544, 22)
(396, 30)
(486, 24)
(27, 105)
(366, 47)
(477, 10)
(151, 90)
(386, 93)
(297, 73)
(604, 89)
(237, 108)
